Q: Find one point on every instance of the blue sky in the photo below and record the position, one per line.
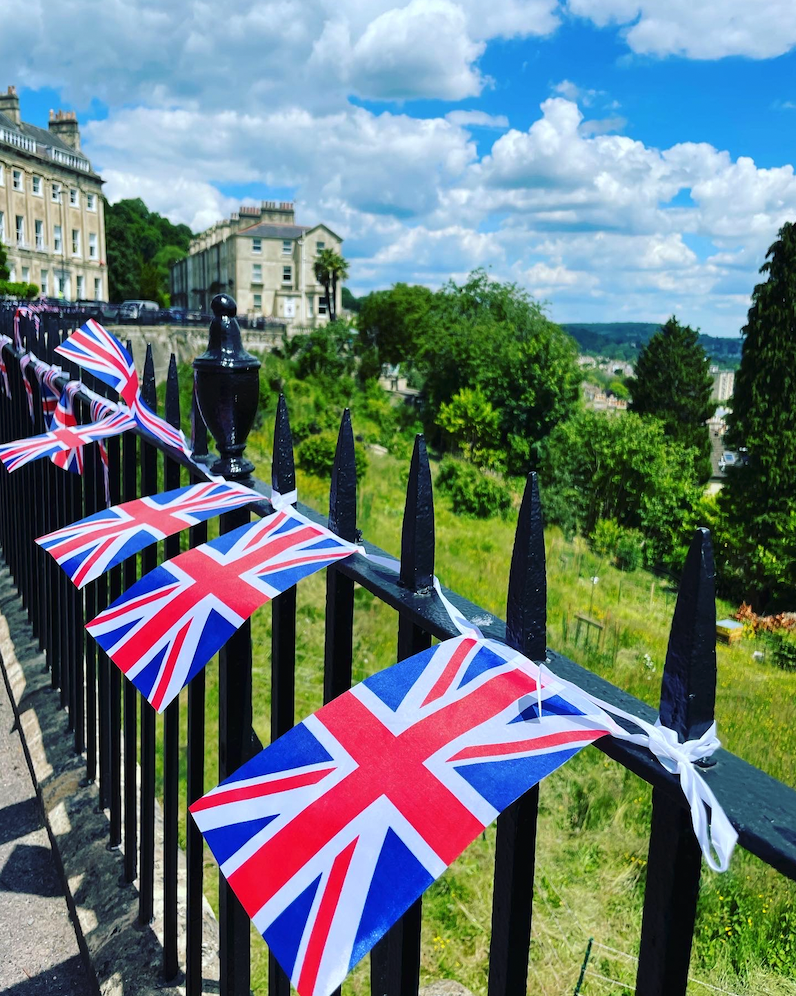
(621, 159)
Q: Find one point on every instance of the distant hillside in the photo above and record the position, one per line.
(623, 340)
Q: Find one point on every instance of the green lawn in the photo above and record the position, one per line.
(594, 815)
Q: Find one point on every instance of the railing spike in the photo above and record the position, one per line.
(417, 534)
(688, 688)
(283, 467)
(343, 490)
(173, 394)
(674, 860)
(526, 611)
(149, 391)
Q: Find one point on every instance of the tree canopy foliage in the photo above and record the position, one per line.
(758, 507)
(140, 245)
(484, 335)
(621, 466)
(672, 382)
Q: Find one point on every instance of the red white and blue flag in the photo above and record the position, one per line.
(158, 427)
(100, 409)
(24, 362)
(331, 833)
(90, 547)
(16, 454)
(4, 341)
(64, 418)
(49, 393)
(165, 628)
(95, 349)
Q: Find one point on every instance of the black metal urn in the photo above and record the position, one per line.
(227, 389)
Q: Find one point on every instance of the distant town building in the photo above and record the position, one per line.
(264, 260)
(52, 221)
(723, 383)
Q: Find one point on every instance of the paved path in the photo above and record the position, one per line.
(38, 945)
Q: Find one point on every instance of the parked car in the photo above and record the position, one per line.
(94, 309)
(136, 311)
(110, 312)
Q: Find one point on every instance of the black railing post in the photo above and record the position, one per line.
(227, 391)
(338, 651)
(395, 960)
(149, 561)
(515, 846)
(283, 635)
(114, 450)
(171, 726)
(688, 698)
(129, 693)
(196, 760)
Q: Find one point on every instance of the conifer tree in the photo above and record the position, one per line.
(758, 503)
(672, 383)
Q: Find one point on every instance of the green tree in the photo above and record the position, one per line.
(491, 335)
(330, 269)
(757, 506)
(672, 382)
(140, 244)
(620, 466)
(472, 424)
(4, 271)
(349, 302)
(389, 323)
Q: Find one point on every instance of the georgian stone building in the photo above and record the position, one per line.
(264, 260)
(51, 209)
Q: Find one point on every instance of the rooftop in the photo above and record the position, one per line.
(274, 230)
(41, 142)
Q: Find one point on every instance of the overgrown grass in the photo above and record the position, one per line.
(594, 815)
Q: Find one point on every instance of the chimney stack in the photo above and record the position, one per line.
(64, 125)
(9, 104)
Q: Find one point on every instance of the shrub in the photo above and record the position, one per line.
(316, 455)
(629, 550)
(782, 647)
(472, 491)
(605, 537)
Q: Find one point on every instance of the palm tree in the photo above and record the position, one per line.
(330, 268)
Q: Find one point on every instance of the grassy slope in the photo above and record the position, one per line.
(594, 815)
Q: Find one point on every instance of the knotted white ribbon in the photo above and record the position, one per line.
(714, 833)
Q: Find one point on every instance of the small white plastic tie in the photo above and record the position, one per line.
(280, 502)
(715, 834)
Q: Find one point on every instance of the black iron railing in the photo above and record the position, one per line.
(102, 716)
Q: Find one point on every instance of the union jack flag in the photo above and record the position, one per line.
(101, 409)
(49, 392)
(4, 341)
(24, 362)
(64, 418)
(331, 833)
(99, 351)
(92, 546)
(158, 427)
(21, 451)
(164, 629)
(95, 349)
